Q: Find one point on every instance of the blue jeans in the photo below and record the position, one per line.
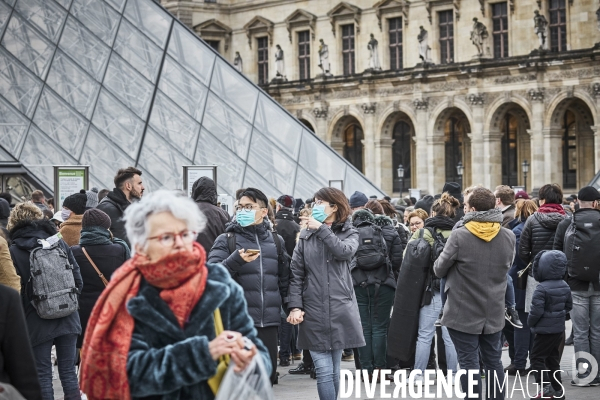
(427, 316)
(375, 323)
(287, 345)
(469, 347)
(523, 342)
(327, 367)
(509, 296)
(585, 316)
(66, 356)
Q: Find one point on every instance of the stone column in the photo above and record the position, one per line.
(384, 159)
(478, 158)
(436, 163)
(596, 129)
(421, 147)
(369, 160)
(320, 112)
(492, 166)
(553, 156)
(537, 169)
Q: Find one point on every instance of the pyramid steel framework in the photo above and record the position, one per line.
(112, 83)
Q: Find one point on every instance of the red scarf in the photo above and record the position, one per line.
(182, 276)
(551, 208)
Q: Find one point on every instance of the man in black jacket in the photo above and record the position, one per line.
(17, 366)
(204, 193)
(128, 188)
(585, 314)
(249, 252)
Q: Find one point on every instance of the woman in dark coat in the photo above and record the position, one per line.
(107, 252)
(26, 227)
(321, 295)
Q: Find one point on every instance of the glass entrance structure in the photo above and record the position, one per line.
(113, 83)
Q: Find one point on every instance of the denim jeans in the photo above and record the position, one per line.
(585, 316)
(468, 348)
(375, 323)
(66, 356)
(327, 367)
(523, 342)
(427, 316)
(286, 343)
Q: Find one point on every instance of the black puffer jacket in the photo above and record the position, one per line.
(538, 234)
(114, 204)
(264, 280)
(204, 193)
(552, 298)
(25, 236)
(287, 227)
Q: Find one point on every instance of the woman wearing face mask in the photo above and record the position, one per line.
(321, 295)
(254, 260)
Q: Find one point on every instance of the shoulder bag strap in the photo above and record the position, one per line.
(231, 242)
(95, 267)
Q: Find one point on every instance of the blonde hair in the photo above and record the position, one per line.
(470, 189)
(420, 213)
(525, 208)
(445, 205)
(22, 212)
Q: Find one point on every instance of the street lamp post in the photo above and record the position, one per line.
(401, 178)
(460, 170)
(525, 168)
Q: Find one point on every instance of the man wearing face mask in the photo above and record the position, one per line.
(128, 189)
(249, 251)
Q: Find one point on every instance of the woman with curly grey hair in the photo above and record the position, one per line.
(160, 313)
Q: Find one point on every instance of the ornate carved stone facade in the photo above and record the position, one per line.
(489, 114)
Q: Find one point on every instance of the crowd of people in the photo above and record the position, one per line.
(153, 295)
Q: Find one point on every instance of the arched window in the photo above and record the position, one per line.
(353, 146)
(510, 164)
(454, 148)
(401, 154)
(569, 148)
(308, 125)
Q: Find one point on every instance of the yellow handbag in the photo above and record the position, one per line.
(215, 381)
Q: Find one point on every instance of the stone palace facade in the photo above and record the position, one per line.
(483, 85)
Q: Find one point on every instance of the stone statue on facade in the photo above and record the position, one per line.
(374, 64)
(540, 23)
(424, 49)
(324, 59)
(479, 36)
(279, 64)
(238, 63)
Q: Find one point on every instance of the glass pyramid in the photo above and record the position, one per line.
(113, 83)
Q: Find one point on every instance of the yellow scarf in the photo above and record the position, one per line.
(483, 230)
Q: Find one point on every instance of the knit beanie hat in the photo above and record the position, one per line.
(76, 202)
(358, 199)
(95, 217)
(425, 203)
(92, 199)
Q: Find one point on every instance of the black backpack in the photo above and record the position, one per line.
(582, 247)
(372, 250)
(439, 242)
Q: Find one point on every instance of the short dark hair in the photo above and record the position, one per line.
(6, 196)
(47, 214)
(482, 199)
(102, 194)
(237, 193)
(337, 197)
(255, 195)
(505, 194)
(551, 193)
(374, 206)
(125, 174)
(50, 201)
(37, 196)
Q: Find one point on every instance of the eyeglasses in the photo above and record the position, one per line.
(318, 203)
(416, 223)
(168, 239)
(248, 207)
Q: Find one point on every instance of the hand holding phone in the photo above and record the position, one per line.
(249, 255)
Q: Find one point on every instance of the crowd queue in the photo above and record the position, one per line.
(137, 296)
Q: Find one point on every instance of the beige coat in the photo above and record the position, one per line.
(8, 273)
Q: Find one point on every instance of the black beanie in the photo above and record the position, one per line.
(95, 217)
(425, 204)
(76, 202)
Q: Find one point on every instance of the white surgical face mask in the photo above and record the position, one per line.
(65, 214)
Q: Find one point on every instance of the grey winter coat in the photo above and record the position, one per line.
(321, 285)
(476, 280)
(264, 280)
(552, 298)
